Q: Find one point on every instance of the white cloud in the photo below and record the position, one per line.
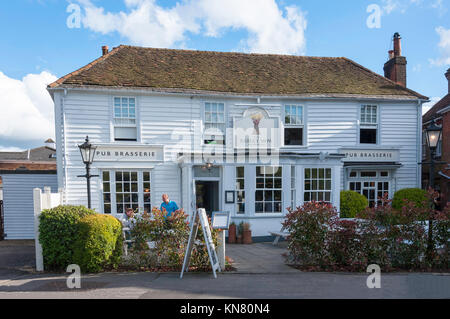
(390, 6)
(26, 111)
(444, 47)
(270, 28)
(427, 106)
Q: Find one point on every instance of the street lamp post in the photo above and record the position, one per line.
(87, 151)
(433, 135)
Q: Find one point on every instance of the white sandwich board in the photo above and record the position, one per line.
(200, 218)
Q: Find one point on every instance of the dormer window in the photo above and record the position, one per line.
(125, 119)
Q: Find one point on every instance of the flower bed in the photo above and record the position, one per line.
(392, 239)
(168, 238)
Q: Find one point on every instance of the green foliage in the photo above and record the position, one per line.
(381, 235)
(99, 243)
(309, 228)
(241, 228)
(415, 195)
(58, 229)
(352, 203)
(169, 236)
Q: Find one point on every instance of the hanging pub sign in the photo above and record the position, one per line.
(126, 153)
(201, 219)
(256, 130)
(370, 155)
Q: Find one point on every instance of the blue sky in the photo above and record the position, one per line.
(38, 46)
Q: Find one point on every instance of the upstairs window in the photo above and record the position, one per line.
(293, 125)
(214, 123)
(125, 119)
(368, 128)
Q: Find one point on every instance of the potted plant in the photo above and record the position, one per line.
(240, 232)
(246, 234)
(232, 233)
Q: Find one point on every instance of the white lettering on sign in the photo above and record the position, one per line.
(114, 153)
(370, 155)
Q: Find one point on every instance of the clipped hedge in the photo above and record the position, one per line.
(352, 203)
(58, 229)
(99, 243)
(414, 195)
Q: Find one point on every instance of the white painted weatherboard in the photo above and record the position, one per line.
(18, 202)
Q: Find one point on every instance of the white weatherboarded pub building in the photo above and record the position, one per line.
(252, 134)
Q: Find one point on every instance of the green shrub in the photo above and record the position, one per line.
(170, 236)
(58, 228)
(99, 243)
(352, 203)
(415, 195)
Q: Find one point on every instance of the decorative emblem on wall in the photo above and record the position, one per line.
(256, 118)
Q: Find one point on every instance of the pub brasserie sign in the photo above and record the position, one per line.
(368, 155)
(129, 153)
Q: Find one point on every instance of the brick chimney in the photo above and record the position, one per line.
(395, 68)
(447, 75)
(105, 50)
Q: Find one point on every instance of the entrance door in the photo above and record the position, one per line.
(207, 196)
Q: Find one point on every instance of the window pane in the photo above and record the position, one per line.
(368, 136)
(293, 136)
(240, 171)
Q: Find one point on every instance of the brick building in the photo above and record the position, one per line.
(440, 113)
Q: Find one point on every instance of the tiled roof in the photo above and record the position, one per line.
(239, 73)
(443, 103)
(40, 154)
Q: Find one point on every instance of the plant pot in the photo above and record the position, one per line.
(239, 239)
(247, 238)
(232, 234)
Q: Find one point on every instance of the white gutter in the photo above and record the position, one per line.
(444, 110)
(208, 94)
(443, 175)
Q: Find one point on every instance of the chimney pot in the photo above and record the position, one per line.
(395, 67)
(447, 75)
(105, 49)
(391, 54)
(397, 44)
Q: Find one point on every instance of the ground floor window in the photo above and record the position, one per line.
(240, 190)
(126, 189)
(318, 184)
(373, 191)
(372, 184)
(268, 196)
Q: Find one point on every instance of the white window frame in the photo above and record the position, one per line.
(318, 179)
(273, 189)
(112, 182)
(377, 179)
(364, 125)
(116, 123)
(204, 119)
(293, 187)
(302, 125)
(237, 190)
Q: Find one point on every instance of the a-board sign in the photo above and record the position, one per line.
(221, 220)
(201, 219)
